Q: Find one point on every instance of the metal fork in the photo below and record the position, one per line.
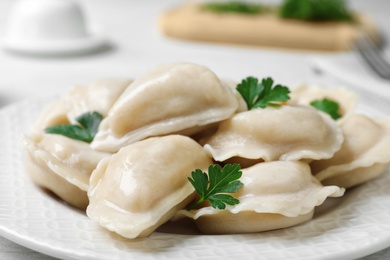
(372, 54)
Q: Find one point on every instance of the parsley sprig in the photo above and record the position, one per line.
(260, 95)
(86, 130)
(214, 186)
(308, 10)
(328, 106)
(233, 7)
(316, 10)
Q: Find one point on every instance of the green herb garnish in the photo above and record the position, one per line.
(233, 7)
(214, 186)
(316, 10)
(86, 131)
(308, 10)
(328, 106)
(261, 95)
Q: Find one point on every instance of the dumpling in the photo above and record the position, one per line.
(44, 177)
(283, 133)
(98, 96)
(275, 195)
(233, 85)
(304, 95)
(363, 156)
(175, 98)
(53, 114)
(144, 184)
(62, 165)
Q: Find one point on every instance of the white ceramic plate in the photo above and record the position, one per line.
(347, 228)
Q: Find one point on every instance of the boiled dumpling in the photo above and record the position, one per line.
(144, 184)
(233, 85)
(363, 156)
(44, 177)
(304, 95)
(206, 133)
(284, 133)
(53, 114)
(176, 98)
(98, 96)
(275, 195)
(62, 165)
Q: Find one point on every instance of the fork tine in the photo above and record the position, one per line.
(371, 53)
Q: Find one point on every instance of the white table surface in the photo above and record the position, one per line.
(137, 46)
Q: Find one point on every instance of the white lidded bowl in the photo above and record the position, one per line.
(49, 27)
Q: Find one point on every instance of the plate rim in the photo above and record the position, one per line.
(59, 252)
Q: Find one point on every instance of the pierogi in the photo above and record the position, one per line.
(270, 134)
(60, 164)
(305, 94)
(181, 98)
(97, 96)
(178, 118)
(363, 156)
(144, 184)
(275, 195)
(54, 114)
(56, 162)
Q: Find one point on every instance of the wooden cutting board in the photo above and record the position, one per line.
(191, 22)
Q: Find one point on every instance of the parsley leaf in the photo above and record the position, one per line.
(86, 131)
(214, 186)
(233, 7)
(328, 106)
(316, 10)
(261, 95)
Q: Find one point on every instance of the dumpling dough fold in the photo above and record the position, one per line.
(175, 98)
(283, 133)
(97, 96)
(144, 184)
(275, 195)
(56, 162)
(363, 156)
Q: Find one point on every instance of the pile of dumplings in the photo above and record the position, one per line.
(158, 128)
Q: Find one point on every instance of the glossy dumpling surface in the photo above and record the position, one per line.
(275, 195)
(284, 133)
(54, 114)
(98, 96)
(45, 178)
(233, 86)
(144, 184)
(173, 98)
(70, 160)
(363, 156)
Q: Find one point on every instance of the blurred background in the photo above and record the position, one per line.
(135, 44)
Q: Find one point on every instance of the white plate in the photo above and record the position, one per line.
(347, 228)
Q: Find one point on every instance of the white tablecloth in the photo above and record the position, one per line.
(136, 46)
